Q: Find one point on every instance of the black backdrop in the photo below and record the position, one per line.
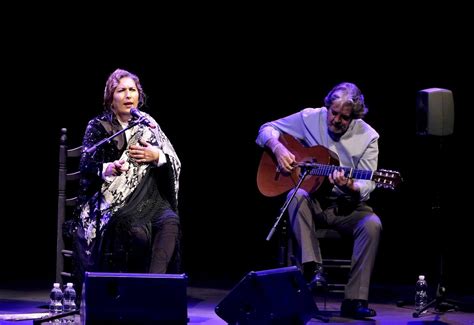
(210, 95)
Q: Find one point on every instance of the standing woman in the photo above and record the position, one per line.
(128, 205)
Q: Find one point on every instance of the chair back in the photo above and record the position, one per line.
(68, 186)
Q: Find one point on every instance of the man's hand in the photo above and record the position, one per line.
(339, 179)
(286, 160)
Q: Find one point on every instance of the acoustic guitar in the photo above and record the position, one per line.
(320, 162)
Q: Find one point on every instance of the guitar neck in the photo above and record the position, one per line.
(326, 170)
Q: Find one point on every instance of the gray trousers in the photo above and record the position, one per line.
(357, 219)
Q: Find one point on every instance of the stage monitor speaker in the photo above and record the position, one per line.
(435, 112)
(134, 298)
(276, 296)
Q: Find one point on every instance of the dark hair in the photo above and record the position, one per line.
(350, 94)
(112, 83)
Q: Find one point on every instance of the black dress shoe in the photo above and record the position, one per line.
(357, 309)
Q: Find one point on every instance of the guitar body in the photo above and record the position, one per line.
(272, 182)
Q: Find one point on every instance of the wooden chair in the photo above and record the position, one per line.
(68, 185)
(336, 258)
(334, 250)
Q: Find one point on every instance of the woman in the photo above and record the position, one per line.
(128, 217)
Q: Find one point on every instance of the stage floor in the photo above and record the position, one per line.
(201, 301)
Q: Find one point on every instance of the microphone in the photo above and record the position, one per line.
(141, 117)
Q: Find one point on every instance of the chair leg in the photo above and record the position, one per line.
(294, 261)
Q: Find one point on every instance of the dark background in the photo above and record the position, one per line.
(210, 90)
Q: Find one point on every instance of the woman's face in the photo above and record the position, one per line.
(126, 96)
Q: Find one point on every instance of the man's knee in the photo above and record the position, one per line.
(300, 194)
(372, 226)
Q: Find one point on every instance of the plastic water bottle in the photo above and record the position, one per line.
(55, 302)
(69, 301)
(421, 294)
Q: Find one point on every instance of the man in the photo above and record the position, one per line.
(339, 127)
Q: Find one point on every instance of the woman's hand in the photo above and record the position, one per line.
(116, 168)
(145, 153)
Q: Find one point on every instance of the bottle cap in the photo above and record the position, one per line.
(421, 277)
(70, 284)
(56, 285)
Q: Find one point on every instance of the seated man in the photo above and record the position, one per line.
(339, 127)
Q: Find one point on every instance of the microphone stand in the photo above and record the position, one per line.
(283, 249)
(287, 202)
(107, 140)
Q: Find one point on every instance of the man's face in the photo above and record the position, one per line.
(339, 117)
